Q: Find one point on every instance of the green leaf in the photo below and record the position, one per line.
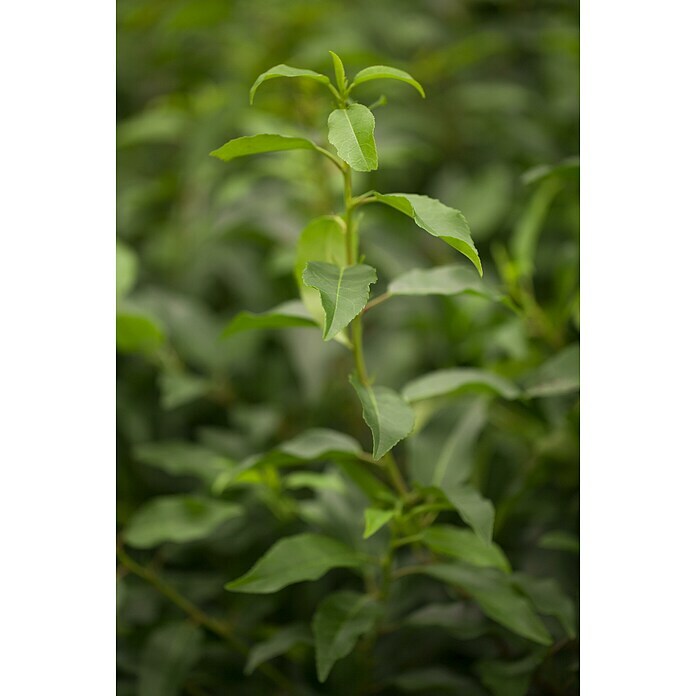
(478, 512)
(344, 292)
(340, 620)
(375, 519)
(340, 72)
(437, 219)
(295, 559)
(558, 540)
(384, 72)
(137, 333)
(177, 389)
(497, 597)
(436, 680)
(285, 71)
(388, 416)
(371, 486)
(177, 518)
(169, 654)
(352, 133)
(287, 314)
(126, 269)
(465, 546)
(549, 599)
(559, 375)
(457, 618)
(458, 380)
(315, 481)
(280, 643)
(508, 678)
(443, 280)
(257, 144)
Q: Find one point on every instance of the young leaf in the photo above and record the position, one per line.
(282, 641)
(494, 593)
(287, 314)
(375, 519)
(337, 625)
(465, 546)
(344, 292)
(458, 380)
(559, 375)
(295, 559)
(478, 512)
(257, 144)
(340, 72)
(384, 72)
(352, 133)
(443, 280)
(389, 417)
(169, 654)
(548, 599)
(285, 71)
(177, 518)
(437, 219)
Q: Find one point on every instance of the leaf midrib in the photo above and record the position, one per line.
(355, 136)
(338, 291)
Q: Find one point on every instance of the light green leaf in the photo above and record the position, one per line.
(137, 333)
(169, 654)
(282, 641)
(287, 314)
(548, 599)
(465, 546)
(337, 625)
(437, 219)
(315, 481)
(352, 133)
(344, 292)
(285, 71)
(559, 375)
(375, 519)
(257, 144)
(177, 389)
(384, 72)
(177, 518)
(495, 594)
(478, 512)
(443, 280)
(388, 416)
(295, 559)
(126, 269)
(340, 72)
(458, 380)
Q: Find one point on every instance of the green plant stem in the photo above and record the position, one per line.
(198, 616)
(376, 301)
(395, 475)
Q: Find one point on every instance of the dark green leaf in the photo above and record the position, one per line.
(558, 540)
(384, 72)
(389, 417)
(548, 599)
(287, 314)
(295, 559)
(340, 620)
(258, 144)
(559, 375)
(436, 680)
(352, 133)
(460, 619)
(465, 546)
(282, 641)
(508, 678)
(458, 380)
(285, 71)
(474, 509)
(344, 292)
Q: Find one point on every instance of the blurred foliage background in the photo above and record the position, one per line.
(199, 241)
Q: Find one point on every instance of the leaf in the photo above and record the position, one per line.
(352, 133)
(508, 678)
(169, 654)
(459, 619)
(337, 625)
(344, 292)
(549, 599)
(437, 219)
(177, 389)
(494, 593)
(371, 486)
(458, 380)
(340, 72)
(436, 680)
(280, 643)
(285, 71)
(559, 375)
(388, 416)
(258, 144)
(126, 269)
(295, 559)
(375, 519)
(287, 314)
(465, 546)
(443, 280)
(558, 540)
(477, 511)
(384, 72)
(177, 518)
(137, 333)
(315, 481)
